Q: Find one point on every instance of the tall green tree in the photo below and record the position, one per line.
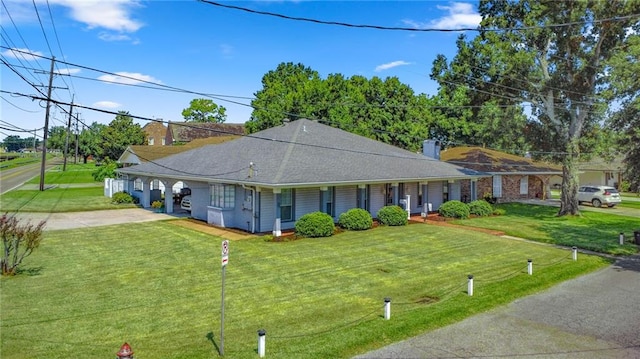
(482, 106)
(290, 92)
(119, 134)
(204, 110)
(553, 55)
(57, 138)
(90, 141)
(624, 76)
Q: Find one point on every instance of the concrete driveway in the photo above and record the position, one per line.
(593, 316)
(71, 220)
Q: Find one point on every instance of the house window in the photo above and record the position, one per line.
(327, 205)
(524, 185)
(419, 195)
(445, 191)
(137, 184)
(286, 205)
(362, 198)
(497, 186)
(164, 140)
(150, 141)
(223, 196)
(388, 190)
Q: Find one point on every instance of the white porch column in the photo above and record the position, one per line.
(277, 231)
(146, 192)
(168, 195)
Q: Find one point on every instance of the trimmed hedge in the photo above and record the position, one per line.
(454, 209)
(480, 208)
(121, 197)
(315, 224)
(392, 216)
(355, 219)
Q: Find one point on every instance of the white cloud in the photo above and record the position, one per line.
(106, 36)
(23, 54)
(128, 78)
(111, 14)
(461, 15)
(391, 65)
(107, 104)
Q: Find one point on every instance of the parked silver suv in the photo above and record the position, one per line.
(599, 195)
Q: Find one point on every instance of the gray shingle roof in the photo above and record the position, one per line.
(298, 154)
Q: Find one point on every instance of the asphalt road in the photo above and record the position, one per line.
(15, 177)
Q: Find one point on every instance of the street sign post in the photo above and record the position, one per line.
(225, 261)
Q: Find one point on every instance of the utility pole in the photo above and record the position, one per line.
(46, 126)
(76, 160)
(66, 143)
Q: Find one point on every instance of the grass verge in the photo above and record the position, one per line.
(591, 230)
(157, 286)
(60, 199)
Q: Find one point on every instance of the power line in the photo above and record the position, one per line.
(413, 29)
(55, 31)
(41, 26)
(18, 107)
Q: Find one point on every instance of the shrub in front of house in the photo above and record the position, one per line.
(121, 197)
(355, 219)
(454, 209)
(315, 224)
(480, 208)
(392, 216)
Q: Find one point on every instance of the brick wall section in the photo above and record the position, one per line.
(465, 191)
(510, 188)
(156, 130)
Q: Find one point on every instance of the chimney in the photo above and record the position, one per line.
(431, 149)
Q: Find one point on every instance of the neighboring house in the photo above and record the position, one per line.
(267, 180)
(512, 177)
(156, 132)
(185, 132)
(599, 171)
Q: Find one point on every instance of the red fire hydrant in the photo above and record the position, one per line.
(125, 352)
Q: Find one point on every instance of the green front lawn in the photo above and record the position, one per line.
(59, 199)
(629, 204)
(591, 230)
(75, 173)
(158, 286)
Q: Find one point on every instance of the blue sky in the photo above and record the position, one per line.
(199, 47)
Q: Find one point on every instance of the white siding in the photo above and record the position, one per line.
(267, 210)
(306, 200)
(346, 199)
(434, 189)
